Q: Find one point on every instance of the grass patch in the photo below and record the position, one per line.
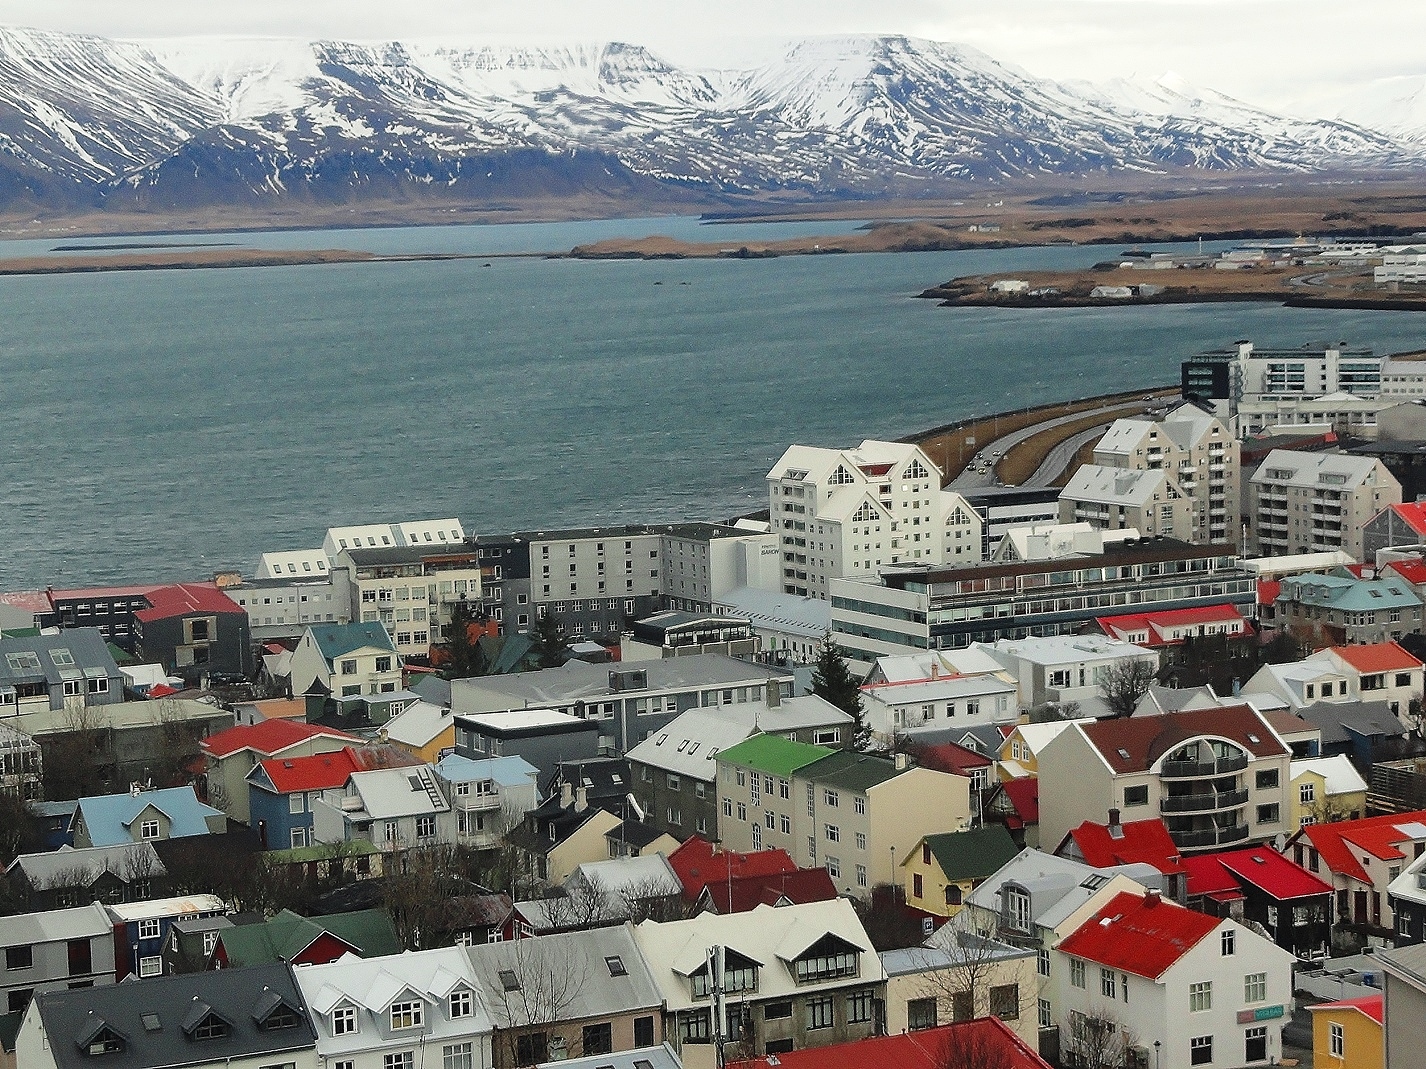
(1024, 458)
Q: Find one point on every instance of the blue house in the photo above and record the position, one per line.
(281, 791)
(489, 796)
(143, 816)
(140, 929)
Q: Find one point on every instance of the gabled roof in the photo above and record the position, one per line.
(1140, 934)
(1368, 1005)
(419, 724)
(319, 772)
(1378, 836)
(952, 757)
(1137, 842)
(773, 754)
(1376, 657)
(1413, 514)
(372, 984)
(1258, 866)
(1157, 625)
(1024, 795)
(1058, 885)
(1135, 744)
(932, 1048)
(109, 818)
(368, 933)
(128, 861)
(1339, 775)
(746, 892)
(187, 599)
(972, 854)
(1413, 570)
(56, 926)
(335, 640)
(851, 771)
(698, 863)
(268, 738)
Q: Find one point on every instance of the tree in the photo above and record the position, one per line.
(20, 830)
(1098, 1040)
(459, 647)
(548, 641)
(76, 757)
(1124, 683)
(534, 983)
(971, 975)
(833, 682)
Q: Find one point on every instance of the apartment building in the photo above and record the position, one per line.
(951, 608)
(1118, 499)
(1200, 460)
(1227, 377)
(1216, 776)
(852, 512)
(937, 692)
(428, 534)
(73, 669)
(1340, 608)
(1067, 668)
(1309, 502)
(411, 591)
(282, 607)
(1381, 671)
(854, 814)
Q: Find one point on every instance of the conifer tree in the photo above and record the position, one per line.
(833, 681)
(548, 641)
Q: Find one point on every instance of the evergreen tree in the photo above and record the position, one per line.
(458, 644)
(548, 642)
(833, 681)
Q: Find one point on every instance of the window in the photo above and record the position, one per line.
(1255, 987)
(861, 840)
(861, 876)
(821, 1013)
(859, 1007)
(832, 832)
(1337, 1041)
(859, 806)
(918, 886)
(1200, 996)
(1228, 942)
(148, 829)
(1076, 972)
(834, 867)
(149, 929)
(1017, 909)
(1106, 983)
(643, 1031)
(692, 1028)
(1306, 793)
(598, 1038)
(457, 1056)
(1046, 1020)
(777, 1011)
(1042, 965)
(151, 966)
(1005, 1002)
(1266, 780)
(830, 798)
(344, 1021)
(920, 1013)
(400, 1060)
(426, 826)
(460, 1003)
(349, 668)
(211, 1027)
(1268, 814)
(406, 1015)
(19, 957)
(675, 784)
(1200, 1050)
(1255, 1044)
(615, 964)
(1136, 795)
(296, 803)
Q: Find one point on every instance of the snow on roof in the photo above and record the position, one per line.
(1339, 775)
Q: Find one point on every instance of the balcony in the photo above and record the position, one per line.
(475, 802)
(1232, 835)
(1197, 769)
(1206, 837)
(1203, 803)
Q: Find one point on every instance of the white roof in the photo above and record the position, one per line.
(1117, 486)
(687, 744)
(769, 935)
(1338, 774)
(168, 907)
(418, 723)
(1308, 469)
(648, 875)
(516, 719)
(1058, 885)
(1038, 736)
(1064, 649)
(1408, 884)
(293, 563)
(808, 617)
(915, 667)
(127, 860)
(387, 793)
(932, 690)
(56, 925)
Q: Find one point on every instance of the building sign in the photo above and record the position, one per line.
(1266, 1013)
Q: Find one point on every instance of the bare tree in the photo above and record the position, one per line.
(177, 749)
(970, 975)
(76, 761)
(585, 903)
(532, 984)
(1124, 683)
(1098, 1040)
(651, 899)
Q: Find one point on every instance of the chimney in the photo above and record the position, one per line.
(1115, 831)
(566, 795)
(1151, 897)
(899, 761)
(935, 668)
(581, 799)
(774, 693)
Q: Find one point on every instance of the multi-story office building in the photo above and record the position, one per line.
(1200, 461)
(1227, 377)
(1309, 502)
(853, 512)
(283, 607)
(950, 608)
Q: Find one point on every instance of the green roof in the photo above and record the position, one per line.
(299, 855)
(851, 771)
(286, 935)
(774, 754)
(973, 854)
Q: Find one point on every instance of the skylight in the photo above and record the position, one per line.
(508, 980)
(616, 965)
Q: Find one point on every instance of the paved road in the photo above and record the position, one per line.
(1058, 458)
(970, 479)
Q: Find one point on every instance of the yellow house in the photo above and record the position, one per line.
(1348, 1034)
(1325, 789)
(424, 730)
(941, 870)
(1019, 754)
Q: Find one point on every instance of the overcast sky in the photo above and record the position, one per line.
(1296, 54)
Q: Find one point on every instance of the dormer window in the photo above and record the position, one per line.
(829, 958)
(460, 1003)
(210, 1027)
(406, 1015)
(1016, 914)
(344, 1021)
(101, 1040)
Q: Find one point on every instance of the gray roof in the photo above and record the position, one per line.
(1365, 718)
(56, 926)
(689, 742)
(956, 948)
(577, 679)
(808, 617)
(661, 1057)
(434, 689)
(153, 1020)
(84, 646)
(127, 860)
(584, 956)
(1057, 885)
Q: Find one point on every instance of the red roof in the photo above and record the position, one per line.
(1157, 623)
(1377, 657)
(1024, 795)
(320, 772)
(875, 469)
(1259, 866)
(698, 862)
(267, 738)
(1376, 836)
(1413, 514)
(951, 757)
(1413, 571)
(743, 893)
(1371, 1005)
(161, 690)
(183, 599)
(985, 1041)
(1138, 841)
(1139, 933)
(1135, 744)
(1268, 590)
(137, 590)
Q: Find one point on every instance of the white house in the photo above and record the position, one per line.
(938, 691)
(489, 796)
(1066, 668)
(394, 808)
(1378, 672)
(346, 661)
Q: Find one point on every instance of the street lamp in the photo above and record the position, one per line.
(1157, 1044)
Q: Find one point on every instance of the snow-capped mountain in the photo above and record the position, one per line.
(218, 120)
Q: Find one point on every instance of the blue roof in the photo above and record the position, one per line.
(506, 771)
(334, 640)
(1348, 593)
(109, 818)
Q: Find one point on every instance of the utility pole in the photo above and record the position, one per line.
(717, 1009)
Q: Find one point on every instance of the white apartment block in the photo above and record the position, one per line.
(937, 691)
(1341, 412)
(703, 563)
(1199, 457)
(1403, 376)
(427, 534)
(1303, 372)
(411, 591)
(282, 607)
(293, 564)
(847, 513)
(1121, 499)
(1309, 502)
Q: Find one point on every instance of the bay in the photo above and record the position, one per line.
(165, 424)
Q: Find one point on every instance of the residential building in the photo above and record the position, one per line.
(1404, 1006)
(283, 792)
(398, 1011)
(1119, 498)
(1261, 886)
(54, 950)
(739, 894)
(631, 703)
(1216, 776)
(789, 626)
(110, 609)
(348, 663)
(1332, 414)
(1019, 753)
(409, 590)
(1309, 502)
(21, 765)
(1361, 858)
(673, 774)
(140, 816)
(633, 838)
(232, 755)
(69, 670)
(1229, 377)
(1066, 669)
(426, 731)
(432, 534)
(300, 941)
(193, 630)
(942, 869)
(190, 943)
(541, 737)
(953, 608)
(140, 930)
(1132, 842)
(1366, 732)
(489, 797)
(1341, 609)
(1379, 671)
(559, 835)
(1397, 525)
(1200, 460)
(854, 814)
(393, 808)
(234, 1018)
(1015, 805)
(794, 977)
(699, 864)
(568, 995)
(960, 977)
(850, 512)
(65, 878)
(1157, 630)
(925, 1049)
(283, 607)
(977, 767)
(1349, 1032)
(919, 695)
(292, 563)
(1326, 789)
(1189, 988)
(598, 893)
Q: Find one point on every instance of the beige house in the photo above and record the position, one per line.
(1199, 457)
(351, 661)
(854, 814)
(232, 754)
(1307, 502)
(1116, 499)
(560, 835)
(409, 590)
(959, 976)
(1217, 777)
